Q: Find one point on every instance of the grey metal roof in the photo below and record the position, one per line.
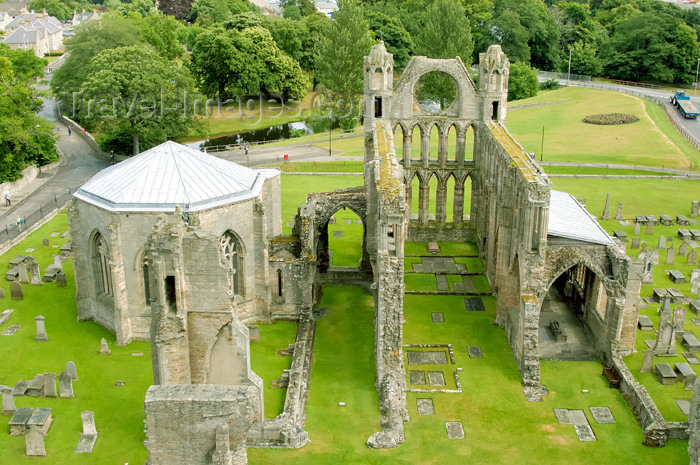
(23, 35)
(569, 219)
(171, 175)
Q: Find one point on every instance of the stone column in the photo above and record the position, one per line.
(407, 148)
(461, 147)
(409, 198)
(425, 148)
(442, 146)
(424, 202)
(458, 203)
(441, 202)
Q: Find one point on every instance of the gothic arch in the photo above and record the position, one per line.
(232, 253)
(100, 257)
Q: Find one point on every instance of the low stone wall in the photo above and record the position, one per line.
(29, 174)
(447, 233)
(86, 136)
(657, 431)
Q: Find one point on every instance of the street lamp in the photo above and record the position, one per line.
(568, 77)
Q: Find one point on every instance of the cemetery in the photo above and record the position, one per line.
(434, 348)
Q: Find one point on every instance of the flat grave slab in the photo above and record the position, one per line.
(691, 358)
(18, 422)
(694, 306)
(42, 419)
(358, 221)
(676, 276)
(5, 315)
(665, 374)
(16, 261)
(20, 388)
(563, 416)
(431, 357)
(458, 287)
(623, 223)
(437, 317)
(652, 219)
(417, 267)
(584, 432)
(696, 321)
(455, 430)
(425, 407)
(337, 233)
(666, 220)
(86, 443)
(645, 323)
(433, 247)
(474, 352)
(641, 304)
(682, 220)
(436, 378)
(620, 234)
(684, 405)
(650, 344)
(690, 342)
(649, 300)
(676, 295)
(695, 233)
(640, 219)
(416, 377)
(659, 294)
(442, 284)
(469, 286)
(12, 274)
(602, 415)
(474, 304)
(685, 234)
(578, 417)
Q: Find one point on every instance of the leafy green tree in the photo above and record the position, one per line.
(161, 32)
(61, 9)
(584, 60)
(139, 7)
(513, 37)
(292, 12)
(24, 137)
(288, 35)
(522, 82)
(217, 57)
(314, 32)
(128, 84)
(306, 7)
(396, 38)
(245, 20)
(446, 33)
(347, 40)
(652, 47)
(207, 12)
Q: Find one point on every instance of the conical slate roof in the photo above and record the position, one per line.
(171, 175)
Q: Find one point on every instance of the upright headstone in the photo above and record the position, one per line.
(670, 255)
(72, 371)
(683, 249)
(666, 303)
(104, 348)
(606, 209)
(36, 274)
(665, 342)
(655, 257)
(45, 242)
(637, 229)
(66, 384)
(2, 293)
(8, 401)
(50, 385)
(692, 258)
(678, 321)
(41, 335)
(22, 275)
(662, 242)
(34, 441)
(88, 422)
(61, 279)
(650, 228)
(16, 291)
(694, 425)
(695, 275)
(58, 262)
(648, 362)
(635, 242)
(695, 208)
(618, 214)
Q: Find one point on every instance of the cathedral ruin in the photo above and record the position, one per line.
(184, 249)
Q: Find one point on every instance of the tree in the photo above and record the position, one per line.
(24, 137)
(132, 87)
(522, 82)
(513, 37)
(396, 38)
(340, 60)
(61, 9)
(216, 11)
(161, 32)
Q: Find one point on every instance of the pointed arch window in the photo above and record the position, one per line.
(100, 263)
(232, 256)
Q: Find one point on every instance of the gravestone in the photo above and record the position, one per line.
(662, 242)
(58, 262)
(665, 341)
(8, 402)
(678, 321)
(637, 229)
(425, 407)
(665, 374)
(666, 303)
(436, 378)
(606, 209)
(563, 416)
(65, 234)
(2, 293)
(11, 330)
(104, 348)
(694, 306)
(5, 315)
(18, 422)
(45, 242)
(34, 442)
(670, 255)
(36, 273)
(66, 383)
(16, 291)
(618, 214)
(41, 335)
(691, 343)
(61, 279)
(654, 260)
(683, 249)
(474, 352)
(644, 323)
(695, 208)
(650, 228)
(648, 362)
(437, 317)
(89, 436)
(36, 386)
(72, 371)
(22, 275)
(635, 242)
(50, 385)
(692, 258)
(416, 377)
(42, 419)
(686, 375)
(602, 415)
(695, 275)
(691, 358)
(455, 430)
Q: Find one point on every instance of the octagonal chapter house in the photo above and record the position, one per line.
(174, 232)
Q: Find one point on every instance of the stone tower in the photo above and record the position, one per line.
(379, 83)
(494, 69)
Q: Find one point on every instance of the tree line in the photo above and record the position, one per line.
(230, 49)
